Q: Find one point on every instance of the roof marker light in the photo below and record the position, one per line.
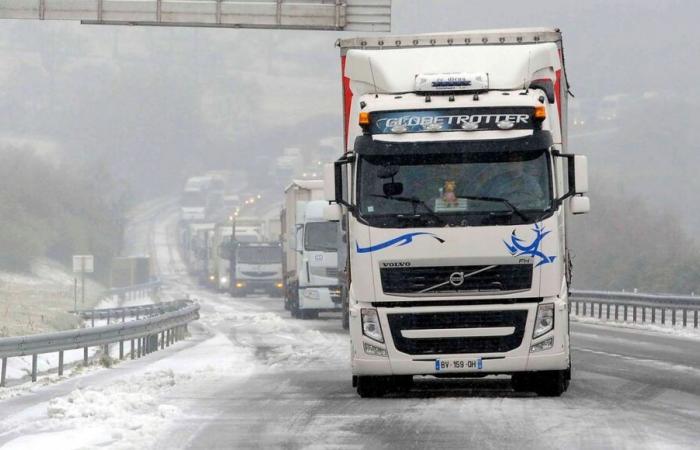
(364, 118)
(470, 126)
(505, 124)
(398, 129)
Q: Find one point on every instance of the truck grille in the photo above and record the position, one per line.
(258, 274)
(456, 279)
(452, 320)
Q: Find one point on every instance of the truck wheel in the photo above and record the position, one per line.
(371, 387)
(552, 384)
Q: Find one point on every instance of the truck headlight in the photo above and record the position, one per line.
(370, 324)
(224, 280)
(544, 322)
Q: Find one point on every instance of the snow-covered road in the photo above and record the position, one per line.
(252, 377)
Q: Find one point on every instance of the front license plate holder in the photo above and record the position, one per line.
(458, 364)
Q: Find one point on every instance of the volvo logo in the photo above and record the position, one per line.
(457, 278)
(396, 264)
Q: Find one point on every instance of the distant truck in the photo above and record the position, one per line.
(255, 267)
(194, 199)
(457, 185)
(309, 244)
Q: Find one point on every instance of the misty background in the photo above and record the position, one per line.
(95, 119)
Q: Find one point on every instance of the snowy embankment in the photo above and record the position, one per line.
(40, 302)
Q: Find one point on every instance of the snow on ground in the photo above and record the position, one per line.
(39, 301)
(129, 412)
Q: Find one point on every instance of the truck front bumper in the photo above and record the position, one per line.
(270, 287)
(520, 358)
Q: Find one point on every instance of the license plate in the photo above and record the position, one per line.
(259, 291)
(458, 365)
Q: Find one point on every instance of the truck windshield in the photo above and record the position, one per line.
(321, 236)
(454, 189)
(259, 255)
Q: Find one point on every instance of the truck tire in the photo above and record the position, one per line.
(371, 387)
(552, 384)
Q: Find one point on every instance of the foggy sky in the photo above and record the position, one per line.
(182, 100)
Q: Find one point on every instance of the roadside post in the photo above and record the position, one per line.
(83, 264)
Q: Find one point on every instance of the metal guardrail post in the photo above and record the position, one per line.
(85, 356)
(60, 363)
(34, 364)
(3, 372)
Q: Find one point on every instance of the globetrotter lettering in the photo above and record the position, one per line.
(413, 121)
(461, 119)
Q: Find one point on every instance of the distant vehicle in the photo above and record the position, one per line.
(309, 244)
(255, 267)
(219, 255)
(456, 185)
(194, 199)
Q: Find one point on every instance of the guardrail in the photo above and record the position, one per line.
(144, 334)
(636, 307)
(121, 313)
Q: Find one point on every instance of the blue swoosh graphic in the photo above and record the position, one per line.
(400, 241)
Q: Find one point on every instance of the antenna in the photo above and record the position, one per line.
(374, 82)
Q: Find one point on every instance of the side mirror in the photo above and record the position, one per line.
(329, 182)
(392, 189)
(332, 212)
(580, 174)
(579, 204)
(341, 182)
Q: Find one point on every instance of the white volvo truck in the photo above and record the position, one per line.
(309, 244)
(457, 184)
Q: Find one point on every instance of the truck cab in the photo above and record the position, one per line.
(457, 185)
(311, 255)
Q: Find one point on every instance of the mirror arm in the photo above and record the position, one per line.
(571, 176)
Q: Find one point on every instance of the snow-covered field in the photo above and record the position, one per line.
(39, 301)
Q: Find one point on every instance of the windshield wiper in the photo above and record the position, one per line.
(500, 200)
(414, 201)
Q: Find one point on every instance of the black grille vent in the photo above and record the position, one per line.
(258, 274)
(451, 320)
(413, 280)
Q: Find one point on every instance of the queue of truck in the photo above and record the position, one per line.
(440, 232)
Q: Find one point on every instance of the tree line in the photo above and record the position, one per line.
(53, 208)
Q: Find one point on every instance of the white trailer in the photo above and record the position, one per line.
(456, 183)
(310, 255)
